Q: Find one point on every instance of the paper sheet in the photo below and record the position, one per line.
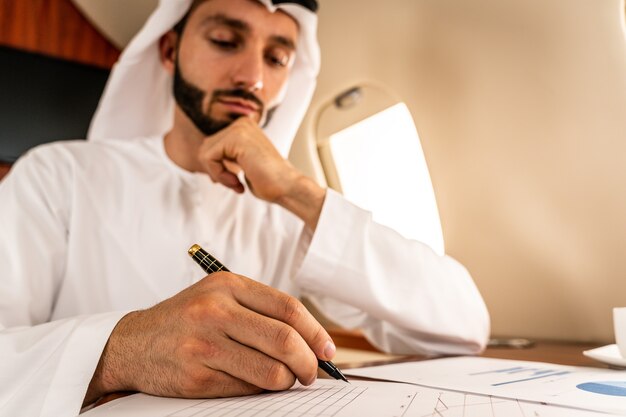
(431, 402)
(601, 390)
(333, 398)
(324, 398)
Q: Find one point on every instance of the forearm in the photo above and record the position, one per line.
(305, 199)
(404, 289)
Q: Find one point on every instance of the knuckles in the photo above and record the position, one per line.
(222, 280)
(292, 309)
(287, 340)
(244, 124)
(236, 387)
(207, 310)
(193, 350)
(213, 299)
(195, 381)
(279, 377)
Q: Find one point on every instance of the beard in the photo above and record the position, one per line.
(190, 98)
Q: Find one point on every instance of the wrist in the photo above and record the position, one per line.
(305, 199)
(109, 374)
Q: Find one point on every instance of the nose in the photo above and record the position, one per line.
(247, 74)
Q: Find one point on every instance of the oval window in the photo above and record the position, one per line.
(370, 152)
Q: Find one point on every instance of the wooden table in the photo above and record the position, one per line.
(564, 353)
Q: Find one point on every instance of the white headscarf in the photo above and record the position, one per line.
(138, 100)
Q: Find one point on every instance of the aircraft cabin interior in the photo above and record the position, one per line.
(491, 130)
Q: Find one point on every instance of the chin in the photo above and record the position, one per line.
(234, 116)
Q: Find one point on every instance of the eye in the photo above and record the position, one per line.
(278, 58)
(223, 38)
(226, 45)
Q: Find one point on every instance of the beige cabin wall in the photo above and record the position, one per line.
(520, 105)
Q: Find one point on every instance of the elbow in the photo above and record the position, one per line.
(469, 337)
(479, 336)
(472, 334)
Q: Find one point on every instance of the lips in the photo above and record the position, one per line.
(238, 105)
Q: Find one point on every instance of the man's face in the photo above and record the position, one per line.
(232, 61)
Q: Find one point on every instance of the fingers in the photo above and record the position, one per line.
(272, 303)
(206, 382)
(219, 153)
(253, 367)
(231, 181)
(243, 146)
(228, 386)
(277, 340)
(291, 311)
(225, 172)
(229, 177)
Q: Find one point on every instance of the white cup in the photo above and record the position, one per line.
(619, 324)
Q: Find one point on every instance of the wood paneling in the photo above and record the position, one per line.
(352, 339)
(56, 28)
(4, 169)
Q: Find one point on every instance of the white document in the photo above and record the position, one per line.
(324, 398)
(431, 402)
(333, 398)
(602, 390)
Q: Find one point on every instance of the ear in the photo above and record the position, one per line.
(167, 50)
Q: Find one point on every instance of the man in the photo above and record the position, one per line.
(97, 294)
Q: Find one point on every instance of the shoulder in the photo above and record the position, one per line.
(72, 156)
(81, 149)
(43, 162)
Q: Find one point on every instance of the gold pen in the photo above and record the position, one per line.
(210, 264)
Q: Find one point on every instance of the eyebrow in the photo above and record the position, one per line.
(222, 19)
(241, 26)
(286, 42)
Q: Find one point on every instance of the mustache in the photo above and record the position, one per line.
(243, 94)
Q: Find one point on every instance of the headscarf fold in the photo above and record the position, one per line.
(138, 100)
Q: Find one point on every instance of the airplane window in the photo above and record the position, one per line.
(378, 164)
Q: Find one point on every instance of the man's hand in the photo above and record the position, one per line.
(243, 146)
(225, 335)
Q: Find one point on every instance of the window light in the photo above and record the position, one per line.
(381, 167)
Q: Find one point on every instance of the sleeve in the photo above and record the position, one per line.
(399, 292)
(46, 366)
